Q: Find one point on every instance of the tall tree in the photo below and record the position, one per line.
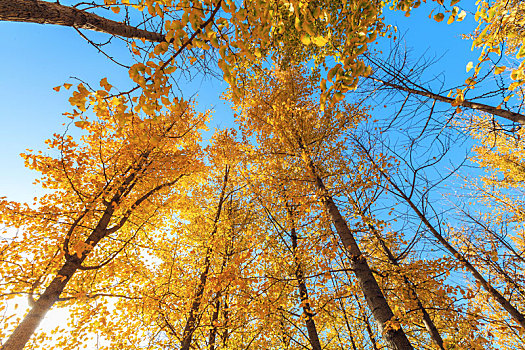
(285, 121)
(105, 189)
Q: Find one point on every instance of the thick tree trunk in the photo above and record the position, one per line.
(394, 337)
(43, 12)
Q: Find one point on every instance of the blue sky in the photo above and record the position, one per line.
(35, 58)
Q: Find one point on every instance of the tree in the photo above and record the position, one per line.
(243, 35)
(285, 121)
(106, 189)
(492, 232)
(489, 288)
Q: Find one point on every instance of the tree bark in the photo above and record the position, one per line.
(51, 295)
(313, 336)
(191, 323)
(214, 319)
(217, 307)
(348, 327)
(394, 337)
(29, 324)
(509, 115)
(513, 311)
(427, 321)
(43, 12)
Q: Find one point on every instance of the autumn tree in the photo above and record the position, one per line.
(500, 32)
(284, 121)
(492, 227)
(238, 37)
(104, 191)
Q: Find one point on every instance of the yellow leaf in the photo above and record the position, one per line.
(305, 39)
(57, 88)
(461, 16)
(319, 41)
(67, 86)
(81, 124)
(115, 9)
(499, 70)
(469, 66)
(439, 17)
(521, 52)
(62, 278)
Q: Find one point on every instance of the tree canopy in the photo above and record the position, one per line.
(316, 221)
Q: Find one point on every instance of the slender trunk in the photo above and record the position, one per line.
(313, 336)
(285, 338)
(44, 12)
(370, 332)
(214, 319)
(73, 262)
(347, 323)
(394, 337)
(191, 322)
(226, 314)
(509, 115)
(216, 309)
(514, 313)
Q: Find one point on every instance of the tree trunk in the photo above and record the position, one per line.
(427, 321)
(348, 327)
(394, 337)
(313, 336)
(513, 311)
(214, 319)
(43, 12)
(509, 115)
(51, 295)
(217, 307)
(191, 323)
(29, 324)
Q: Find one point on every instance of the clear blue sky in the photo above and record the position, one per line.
(36, 58)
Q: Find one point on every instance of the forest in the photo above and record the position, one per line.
(358, 200)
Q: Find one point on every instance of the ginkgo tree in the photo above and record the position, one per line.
(106, 189)
(284, 121)
(237, 36)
